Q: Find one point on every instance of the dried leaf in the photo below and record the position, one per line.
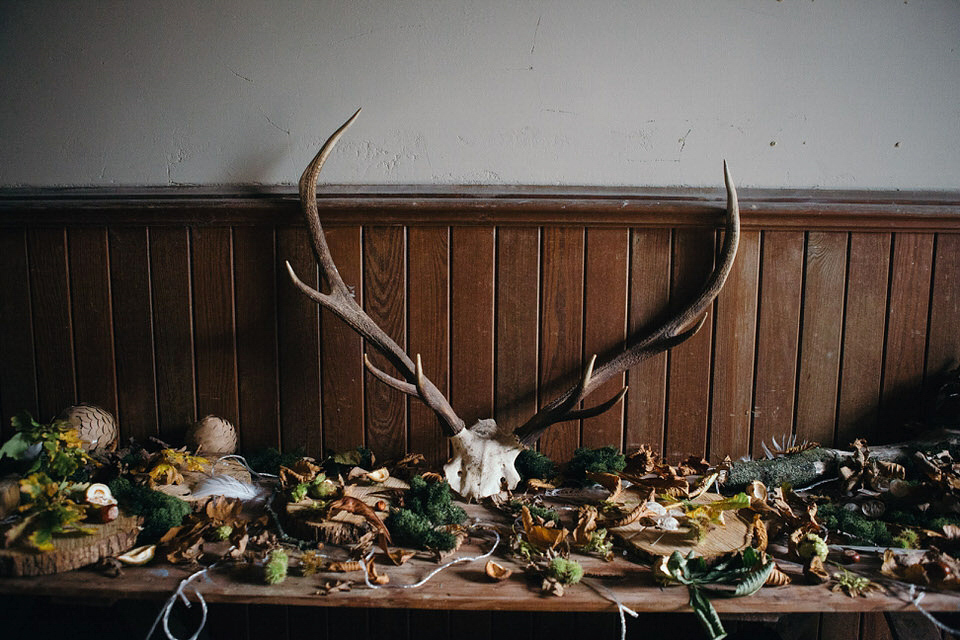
(496, 571)
(777, 578)
(544, 538)
(815, 572)
(586, 524)
(345, 566)
(400, 556)
(340, 586)
(362, 509)
(758, 532)
(609, 481)
(375, 577)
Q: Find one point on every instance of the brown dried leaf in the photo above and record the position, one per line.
(544, 538)
(375, 577)
(643, 460)
(815, 572)
(586, 524)
(777, 578)
(533, 484)
(340, 586)
(609, 481)
(758, 532)
(362, 509)
(345, 566)
(400, 556)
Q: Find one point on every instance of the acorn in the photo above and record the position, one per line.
(97, 427)
(212, 434)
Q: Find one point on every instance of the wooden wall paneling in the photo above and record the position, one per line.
(873, 626)
(943, 343)
(133, 332)
(171, 288)
(349, 622)
(734, 351)
(92, 317)
(53, 334)
(606, 272)
(389, 623)
(430, 624)
(298, 347)
(561, 330)
(473, 625)
(823, 294)
(341, 350)
(514, 625)
(214, 321)
(649, 301)
(688, 400)
(18, 374)
(518, 325)
(429, 332)
(270, 621)
(903, 366)
(840, 626)
(226, 621)
(304, 623)
(472, 322)
(864, 324)
(384, 291)
(778, 336)
(255, 281)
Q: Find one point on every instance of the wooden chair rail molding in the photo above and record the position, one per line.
(166, 306)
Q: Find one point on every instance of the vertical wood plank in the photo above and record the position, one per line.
(943, 341)
(170, 283)
(304, 623)
(227, 621)
(778, 327)
(873, 626)
(734, 353)
(605, 326)
(92, 317)
(823, 295)
(389, 623)
(214, 322)
(430, 624)
(561, 333)
(298, 348)
(256, 303)
(518, 295)
(906, 331)
(688, 400)
(133, 332)
(52, 330)
(840, 626)
(469, 625)
(383, 298)
(268, 621)
(18, 373)
(863, 330)
(472, 320)
(649, 301)
(429, 333)
(514, 625)
(341, 351)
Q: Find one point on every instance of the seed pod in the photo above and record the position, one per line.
(497, 572)
(213, 434)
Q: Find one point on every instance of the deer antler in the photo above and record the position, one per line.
(666, 336)
(341, 302)
(484, 453)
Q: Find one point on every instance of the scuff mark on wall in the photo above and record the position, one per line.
(238, 74)
(275, 125)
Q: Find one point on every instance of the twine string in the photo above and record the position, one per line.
(605, 592)
(180, 594)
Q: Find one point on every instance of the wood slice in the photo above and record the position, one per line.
(733, 535)
(9, 495)
(73, 551)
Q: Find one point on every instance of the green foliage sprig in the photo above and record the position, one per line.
(48, 510)
(61, 454)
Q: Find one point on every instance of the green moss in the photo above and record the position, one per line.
(341, 463)
(533, 464)
(797, 470)
(602, 460)
(223, 532)
(270, 460)
(275, 569)
(159, 510)
(516, 506)
(852, 523)
(412, 529)
(434, 500)
(565, 571)
(428, 505)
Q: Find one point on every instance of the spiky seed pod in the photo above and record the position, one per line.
(275, 569)
(96, 427)
(212, 434)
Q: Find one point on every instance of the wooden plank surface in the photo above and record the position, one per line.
(429, 332)
(472, 322)
(649, 300)
(864, 327)
(688, 400)
(18, 375)
(943, 342)
(518, 291)
(778, 329)
(52, 329)
(172, 299)
(840, 626)
(298, 348)
(561, 332)
(907, 316)
(92, 317)
(824, 288)
(606, 274)
(255, 278)
(384, 297)
(215, 323)
(734, 354)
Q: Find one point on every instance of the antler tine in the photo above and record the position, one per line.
(340, 300)
(666, 336)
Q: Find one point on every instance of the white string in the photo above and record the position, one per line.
(429, 576)
(164, 614)
(915, 601)
(243, 461)
(612, 597)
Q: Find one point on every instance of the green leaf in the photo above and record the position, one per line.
(23, 421)
(755, 581)
(706, 614)
(15, 447)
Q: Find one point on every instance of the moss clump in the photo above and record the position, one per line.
(861, 529)
(223, 532)
(602, 460)
(428, 505)
(797, 470)
(275, 569)
(533, 464)
(516, 506)
(565, 571)
(160, 511)
(341, 463)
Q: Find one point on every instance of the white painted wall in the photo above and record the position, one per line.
(794, 93)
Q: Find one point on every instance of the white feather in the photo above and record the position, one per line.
(230, 487)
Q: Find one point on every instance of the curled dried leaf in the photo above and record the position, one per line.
(379, 476)
(815, 572)
(400, 556)
(333, 587)
(892, 469)
(496, 571)
(533, 484)
(544, 538)
(777, 578)
(635, 514)
(360, 508)
(345, 566)
(373, 576)
(586, 524)
(609, 481)
(758, 532)
(431, 476)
